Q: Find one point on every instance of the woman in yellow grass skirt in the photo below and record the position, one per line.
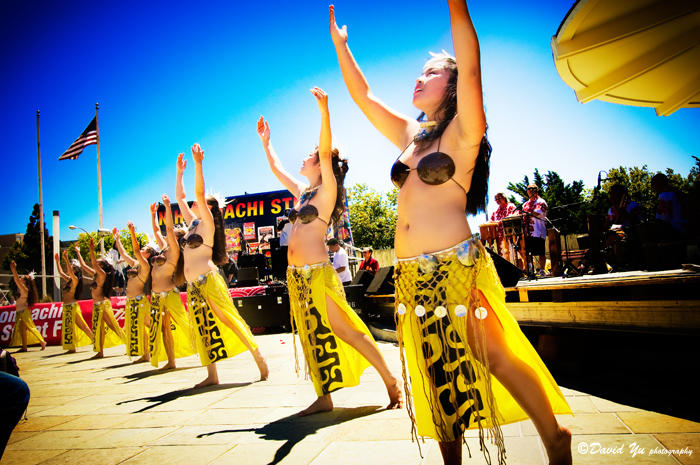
(337, 345)
(470, 365)
(72, 316)
(219, 331)
(137, 318)
(25, 331)
(106, 329)
(171, 335)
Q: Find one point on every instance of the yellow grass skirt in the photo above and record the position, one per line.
(213, 338)
(101, 313)
(136, 313)
(33, 334)
(72, 336)
(440, 298)
(183, 346)
(330, 362)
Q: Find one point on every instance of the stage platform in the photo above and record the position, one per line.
(109, 411)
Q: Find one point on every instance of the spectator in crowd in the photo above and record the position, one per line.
(368, 262)
(340, 261)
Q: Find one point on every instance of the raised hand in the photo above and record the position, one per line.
(58, 259)
(154, 208)
(13, 265)
(166, 199)
(339, 35)
(181, 163)
(197, 153)
(321, 97)
(77, 249)
(264, 131)
(115, 233)
(130, 225)
(91, 242)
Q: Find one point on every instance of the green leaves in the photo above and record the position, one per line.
(372, 216)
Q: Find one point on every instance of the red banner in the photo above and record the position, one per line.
(48, 317)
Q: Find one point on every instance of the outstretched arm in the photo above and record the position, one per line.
(396, 127)
(143, 263)
(120, 248)
(292, 184)
(154, 223)
(169, 231)
(20, 285)
(470, 116)
(60, 268)
(86, 268)
(69, 268)
(99, 272)
(328, 182)
(204, 213)
(187, 213)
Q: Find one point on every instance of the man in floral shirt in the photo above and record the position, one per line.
(535, 227)
(505, 209)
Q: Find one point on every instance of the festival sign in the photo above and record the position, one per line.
(252, 210)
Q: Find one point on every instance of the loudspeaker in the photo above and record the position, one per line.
(363, 277)
(507, 272)
(247, 277)
(383, 282)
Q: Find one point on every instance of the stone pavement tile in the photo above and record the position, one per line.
(586, 423)
(582, 404)
(268, 396)
(72, 408)
(616, 449)
(372, 453)
(43, 423)
(651, 422)
(179, 455)
(604, 405)
(94, 456)
(211, 434)
(48, 399)
(72, 439)
(17, 436)
(131, 437)
(509, 430)
(571, 393)
(687, 445)
(373, 430)
(301, 453)
(157, 419)
(519, 451)
(233, 416)
(93, 422)
(23, 457)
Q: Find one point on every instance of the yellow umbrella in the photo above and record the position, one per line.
(634, 52)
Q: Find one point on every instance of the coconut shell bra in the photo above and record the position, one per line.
(307, 213)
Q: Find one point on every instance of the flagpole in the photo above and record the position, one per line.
(41, 210)
(99, 175)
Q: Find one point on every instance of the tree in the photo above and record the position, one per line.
(84, 240)
(372, 216)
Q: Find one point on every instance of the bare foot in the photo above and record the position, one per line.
(262, 366)
(43, 345)
(395, 396)
(322, 404)
(559, 452)
(23, 349)
(167, 366)
(208, 381)
(97, 355)
(142, 360)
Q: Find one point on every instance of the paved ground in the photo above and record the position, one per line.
(109, 411)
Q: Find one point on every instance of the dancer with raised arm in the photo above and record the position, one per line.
(25, 331)
(336, 342)
(72, 316)
(470, 364)
(171, 333)
(220, 332)
(137, 310)
(106, 330)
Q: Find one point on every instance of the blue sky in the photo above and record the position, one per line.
(168, 74)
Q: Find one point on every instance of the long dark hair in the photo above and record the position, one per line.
(340, 169)
(218, 252)
(476, 197)
(32, 293)
(179, 273)
(78, 272)
(107, 289)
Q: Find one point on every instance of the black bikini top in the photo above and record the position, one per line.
(158, 259)
(192, 240)
(66, 287)
(307, 213)
(93, 284)
(434, 168)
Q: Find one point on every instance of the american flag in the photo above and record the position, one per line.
(88, 137)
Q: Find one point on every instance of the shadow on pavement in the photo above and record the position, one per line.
(174, 395)
(294, 428)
